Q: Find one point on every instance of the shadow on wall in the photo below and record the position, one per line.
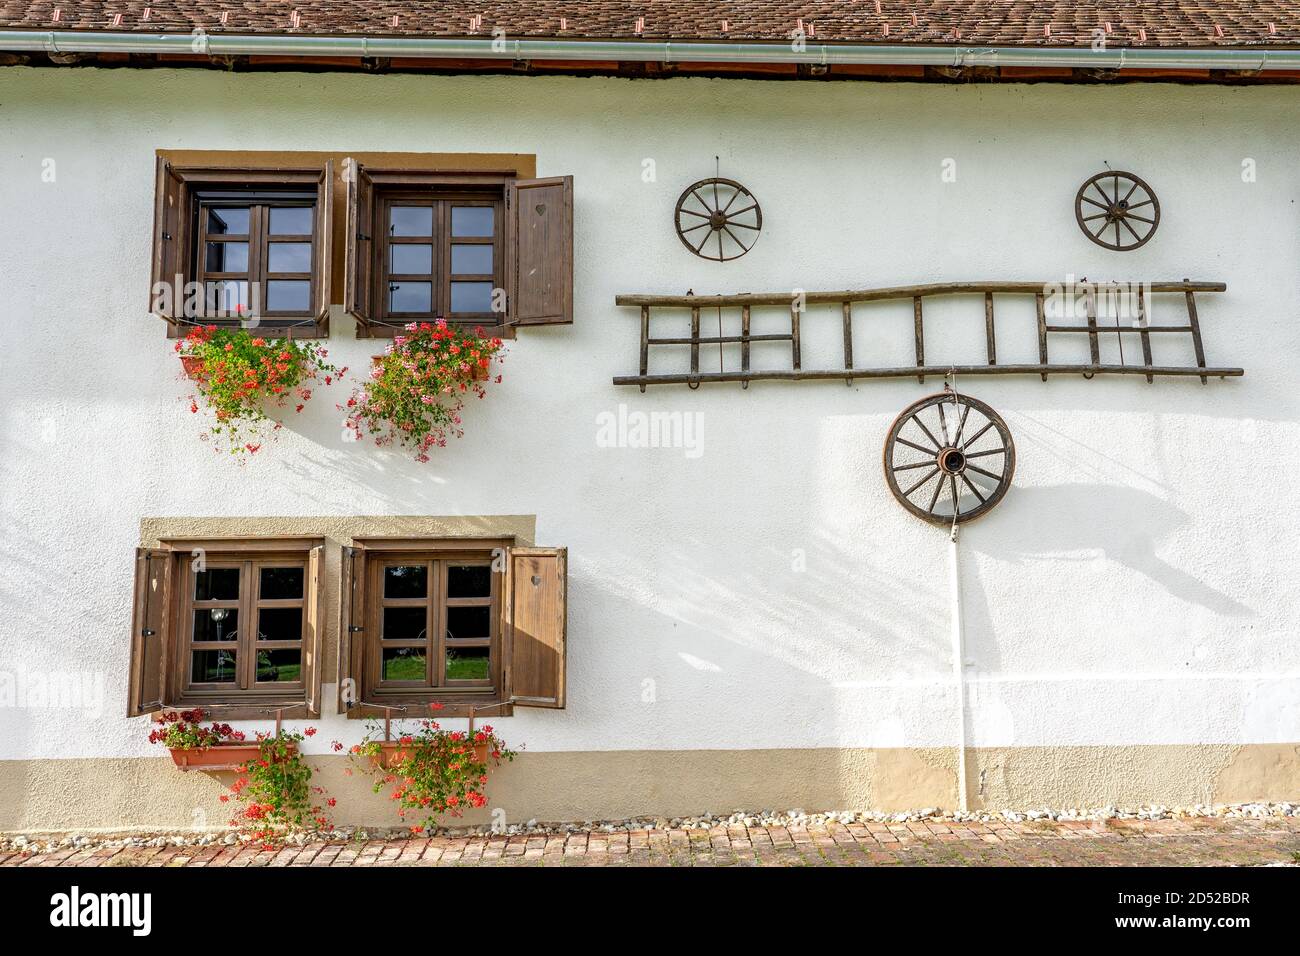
(1124, 524)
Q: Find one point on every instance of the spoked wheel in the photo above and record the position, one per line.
(1117, 210)
(949, 455)
(718, 219)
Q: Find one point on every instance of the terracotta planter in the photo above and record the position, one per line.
(223, 756)
(393, 752)
(193, 366)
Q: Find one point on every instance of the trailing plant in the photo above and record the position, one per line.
(433, 772)
(239, 376)
(183, 731)
(418, 387)
(275, 793)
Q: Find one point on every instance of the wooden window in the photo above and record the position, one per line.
(243, 246)
(461, 247)
(232, 626)
(464, 623)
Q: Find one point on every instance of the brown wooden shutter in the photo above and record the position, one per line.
(149, 632)
(169, 228)
(535, 625)
(359, 240)
(324, 246)
(539, 251)
(352, 635)
(314, 649)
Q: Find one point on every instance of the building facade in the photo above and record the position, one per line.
(747, 617)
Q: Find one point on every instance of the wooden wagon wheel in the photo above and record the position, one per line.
(1117, 210)
(949, 455)
(718, 219)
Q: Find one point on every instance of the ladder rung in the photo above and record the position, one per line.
(720, 339)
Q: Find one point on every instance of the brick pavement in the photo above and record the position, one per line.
(1187, 842)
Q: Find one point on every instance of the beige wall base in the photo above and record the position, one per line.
(150, 794)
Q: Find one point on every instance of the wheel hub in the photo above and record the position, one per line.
(952, 461)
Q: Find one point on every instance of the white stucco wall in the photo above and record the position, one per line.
(1136, 586)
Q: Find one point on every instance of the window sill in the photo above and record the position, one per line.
(419, 710)
(381, 331)
(247, 710)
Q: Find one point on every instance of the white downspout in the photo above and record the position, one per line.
(958, 667)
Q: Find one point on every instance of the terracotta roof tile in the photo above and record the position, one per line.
(1163, 23)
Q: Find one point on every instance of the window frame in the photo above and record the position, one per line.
(369, 241)
(258, 700)
(441, 200)
(361, 653)
(180, 236)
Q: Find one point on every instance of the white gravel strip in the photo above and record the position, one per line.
(46, 843)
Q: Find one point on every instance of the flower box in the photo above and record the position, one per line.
(193, 365)
(222, 756)
(394, 752)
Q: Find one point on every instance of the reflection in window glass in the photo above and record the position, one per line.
(410, 221)
(411, 259)
(216, 624)
(403, 663)
(289, 257)
(406, 581)
(288, 295)
(469, 580)
(404, 624)
(471, 260)
(279, 624)
(291, 221)
(227, 257)
(466, 622)
(471, 221)
(281, 584)
(226, 297)
(410, 297)
(212, 667)
(279, 666)
(467, 663)
(228, 221)
(216, 584)
(471, 297)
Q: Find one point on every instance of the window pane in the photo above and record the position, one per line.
(471, 297)
(410, 221)
(406, 581)
(467, 663)
(216, 624)
(290, 257)
(403, 663)
(279, 665)
(288, 295)
(292, 221)
(469, 580)
(216, 584)
(411, 259)
(281, 584)
(279, 624)
(212, 667)
(465, 622)
(404, 623)
(226, 297)
(228, 221)
(410, 296)
(227, 257)
(469, 260)
(471, 220)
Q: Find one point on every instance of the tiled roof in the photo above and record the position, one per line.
(1139, 23)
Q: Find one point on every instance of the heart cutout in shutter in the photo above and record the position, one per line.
(541, 209)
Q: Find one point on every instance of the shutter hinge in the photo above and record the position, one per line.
(363, 238)
(148, 632)
(353, 628)
(167, 236)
